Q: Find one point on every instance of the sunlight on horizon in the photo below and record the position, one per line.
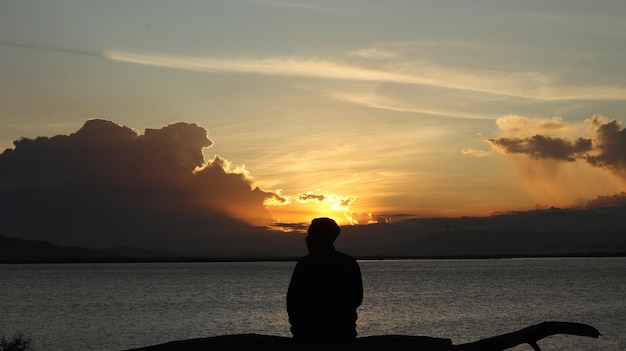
(309, 205)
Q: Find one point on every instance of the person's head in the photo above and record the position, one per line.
(322, 233)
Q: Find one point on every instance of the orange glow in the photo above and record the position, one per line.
(565, 184)
(305, 206)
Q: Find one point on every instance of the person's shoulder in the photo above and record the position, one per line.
(304, 259)
(344, 256)
(341, 253)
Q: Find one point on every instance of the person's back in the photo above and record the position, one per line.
(325, 289)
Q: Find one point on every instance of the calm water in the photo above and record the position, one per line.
(118, 306)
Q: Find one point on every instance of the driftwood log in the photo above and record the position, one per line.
(530, 335)
(252, 342)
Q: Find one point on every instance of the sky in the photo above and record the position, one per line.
(363, 111)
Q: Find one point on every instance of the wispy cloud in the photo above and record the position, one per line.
(374, 100)
(474, 152)
(529, 85)
(375, 65)
(291, 4)
(62, 50)
(373, 53)
(271, 66)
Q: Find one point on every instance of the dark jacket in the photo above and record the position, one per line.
(323, 296)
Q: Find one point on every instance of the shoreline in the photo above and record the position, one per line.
(191, 259)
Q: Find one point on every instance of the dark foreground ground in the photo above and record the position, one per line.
(251, 342)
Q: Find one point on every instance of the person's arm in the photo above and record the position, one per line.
(357, 284)
(294, 292)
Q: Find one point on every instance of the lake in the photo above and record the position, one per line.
(117, 306)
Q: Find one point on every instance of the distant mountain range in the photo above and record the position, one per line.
(512, 243)
(553, 232)
(23, 250)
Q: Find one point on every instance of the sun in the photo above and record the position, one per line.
(303, 207)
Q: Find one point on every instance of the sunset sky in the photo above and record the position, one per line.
(363, 111)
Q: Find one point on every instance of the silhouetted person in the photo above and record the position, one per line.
(325, 289)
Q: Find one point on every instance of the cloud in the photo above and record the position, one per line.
(102, 152)
(565, 164)
(307, 196)
(527, 85)
(611, 144)
(292, 5)
(107, 184)
(374, 53)
(313, 68)
(606, 148)
(513, 125)
(371, 64)
(475, 152)
(71, 51)
(539, 147)
(369, 218)
(335, 206)
(335, 201)
(608, 201)
(375, 100)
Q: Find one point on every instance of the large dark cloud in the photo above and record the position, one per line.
(607, 149)
(102, 152)
(109, 185)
